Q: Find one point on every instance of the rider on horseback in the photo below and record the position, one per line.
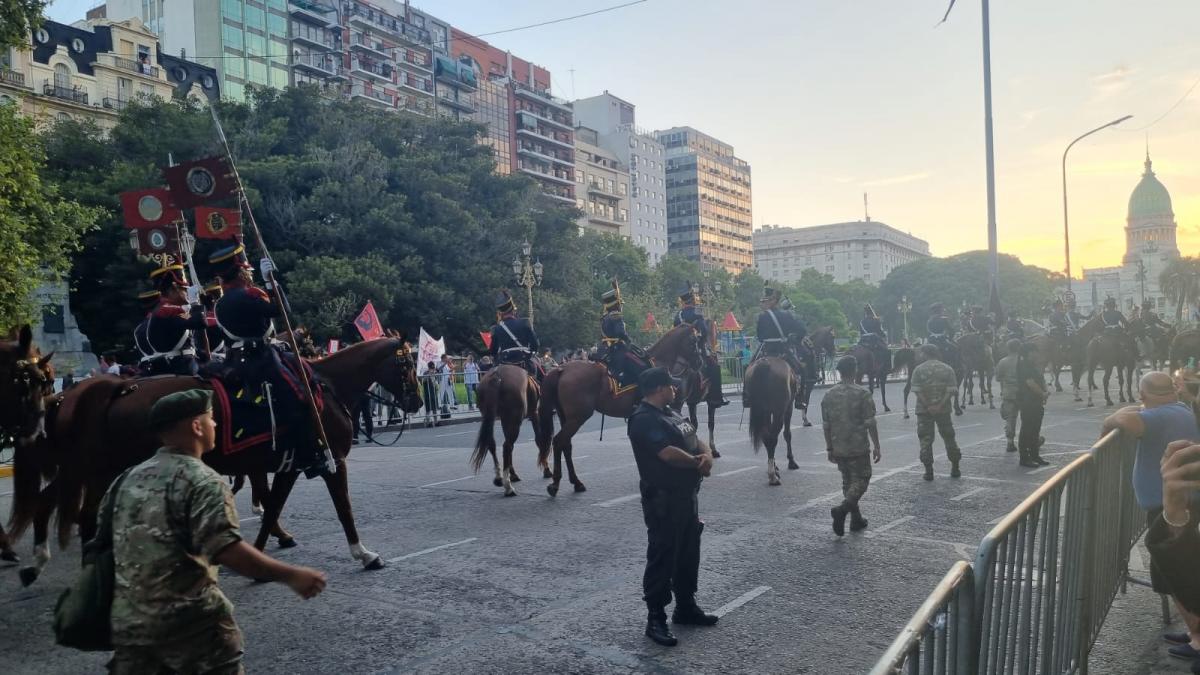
(1114, 320)
(1076, 317)
(214, 347)
(169, 327)
(941, 331)
(1015, 327)
(779, 331)
(615, 345)
(690, 312)
(870, 330)
(513, 340)
(979, 321)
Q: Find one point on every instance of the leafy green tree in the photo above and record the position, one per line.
(1180, 283)
(39, 229)
(17, 19)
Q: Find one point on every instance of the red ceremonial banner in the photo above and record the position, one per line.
(486, 336)
(200, 182)
(158, 240)
(367, 323)
(148, 208)
(217, 223)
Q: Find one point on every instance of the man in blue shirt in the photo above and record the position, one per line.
(1160, 420)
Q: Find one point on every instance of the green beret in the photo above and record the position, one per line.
(181, 405)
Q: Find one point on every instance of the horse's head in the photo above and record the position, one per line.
(680, 345)
(26, 382)
(399, 375)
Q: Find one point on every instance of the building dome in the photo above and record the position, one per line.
(1150, 198)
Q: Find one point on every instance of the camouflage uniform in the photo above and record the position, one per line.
(934, 383)
(172, 516)
(848, 411)
(1006, 373)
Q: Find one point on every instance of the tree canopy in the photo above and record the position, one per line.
(17, 18)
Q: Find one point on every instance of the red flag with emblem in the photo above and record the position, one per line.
(486, 336)
(216, 223)
(367, 323)
(148, 208)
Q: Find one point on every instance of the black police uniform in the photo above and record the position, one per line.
(169, 337)
(871, 327)
(669, 506)
(1113, 320)
(778, 330)
(691, 314)
(519, 348)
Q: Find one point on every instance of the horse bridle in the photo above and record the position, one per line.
(28, 396)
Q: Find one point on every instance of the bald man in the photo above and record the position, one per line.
(1160, 420)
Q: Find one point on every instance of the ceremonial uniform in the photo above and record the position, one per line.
(615, 344)
(934, 383)
(848, 413)
(149, 301)
(1114, 320)
(514, 341)
(1016, 329)
(173, 515)
(779, 332)
(691, 313)
(169, 335)
(870, 330)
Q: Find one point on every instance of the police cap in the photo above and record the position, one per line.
(653, 379)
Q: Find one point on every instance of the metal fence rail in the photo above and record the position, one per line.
(939, 637)
(1043, 580)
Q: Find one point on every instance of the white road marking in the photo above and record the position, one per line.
(968, 493)
(5, 494)
(741, 600)
(620, 500)
(892, 525)
(911, 434)
(996, 521)
(433, 452)
(457, 433)
(963, 550)
(1049, 467)
(744, 468)
(833, 495)
(443, 482)
(968, 426)
(250, 519)
(431, 550)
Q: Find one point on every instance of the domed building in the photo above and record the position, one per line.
(1149, 244)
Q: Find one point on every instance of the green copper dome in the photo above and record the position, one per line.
(1149, 199)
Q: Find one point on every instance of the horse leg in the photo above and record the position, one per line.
(787, 438)
(883, 391)
(991, 401)
(1057, 370)
(1091, 386)
(562, 441)
(772, 438)
(339, 491)
(41, 533)
(273, 506)
(497, 481)
(259, 487)
(712, 425)
(512, 429)
(1107, 377)
(907, 391)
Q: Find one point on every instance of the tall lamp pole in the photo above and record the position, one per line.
(1066, 228)
(904, 307)
(528, 273)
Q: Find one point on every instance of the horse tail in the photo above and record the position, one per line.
(546, 409)
(757, 380)
(27, 483)
(486, 440)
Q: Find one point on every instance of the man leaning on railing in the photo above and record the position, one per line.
(1159, 421)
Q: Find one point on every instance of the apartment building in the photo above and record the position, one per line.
(866, 250)
(602, 186)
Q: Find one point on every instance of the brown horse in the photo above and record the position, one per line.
(506, 392)
(824, 350)
(976, 355)
(1112, 351)
(876, 366)
(99, 429)
(771, 386)
(578, 389)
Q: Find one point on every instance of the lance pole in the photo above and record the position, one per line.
(187, 248)
(274, 286)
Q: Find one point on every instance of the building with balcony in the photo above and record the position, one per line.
(601, 186)
(532, 131)
(644, 157)
(865, 250)
(94, 70)
(709, 216)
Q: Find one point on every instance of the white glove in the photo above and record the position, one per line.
(193, 295)
(265, 266)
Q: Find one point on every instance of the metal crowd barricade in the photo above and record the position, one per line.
(940, 636)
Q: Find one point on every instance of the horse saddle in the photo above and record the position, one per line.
(624, 368)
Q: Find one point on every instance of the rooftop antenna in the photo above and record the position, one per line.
(866, 208)
(572, 71)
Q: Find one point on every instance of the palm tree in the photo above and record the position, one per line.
(1180, 282)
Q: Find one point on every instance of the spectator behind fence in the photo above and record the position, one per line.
(1160, 420)
(429, 393)
(470, 379)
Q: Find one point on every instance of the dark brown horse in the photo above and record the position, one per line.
(976, 354)
(1112, 351)
(99, 429)
(876, 365)
(578, 389)
(824, 350)
(771, 386)
(510, 394)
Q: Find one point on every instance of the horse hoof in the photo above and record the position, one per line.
(9, 556)
(807, 423)
(774, 482)
(547, 473)
(552, 489)
(510, 493)
(375, 564)
(288, 542)
(716, 455)
(256, 510)
(580, 487)
(497, 482)
(28, 575)
(886, 409)
(1091, 405)
(513, 478)
(792, 465)
(906, 416)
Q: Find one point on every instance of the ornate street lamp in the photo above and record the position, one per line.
(904, 307)
(528, 273)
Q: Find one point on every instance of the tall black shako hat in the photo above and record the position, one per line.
(504, 302)
(612, 297)
(771, 295)
(687, 296)
(229, 262)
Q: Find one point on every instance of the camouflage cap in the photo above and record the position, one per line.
(181, 405)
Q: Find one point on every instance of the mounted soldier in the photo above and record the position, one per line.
(1114, 320)
(169, 327)
(780, 332)
(245, 315)
(514, 341)
(1015, 327)
(691, 312)
(870, 330)
(214, 345)
(616, 348)
(148, 300)
(979, 322)
(941, 330)
(1077, 318)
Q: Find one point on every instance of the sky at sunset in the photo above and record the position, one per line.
(830, 98)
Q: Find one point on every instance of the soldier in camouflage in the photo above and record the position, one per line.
(848, 412)
(173, 522)
(1006, 373)
(935, 383)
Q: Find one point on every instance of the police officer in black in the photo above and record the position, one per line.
(169, 327)
(671, 463)
(779, 331)
(514, 341)
(691, 312)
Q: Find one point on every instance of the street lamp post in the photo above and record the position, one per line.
(528, 273)
(1148, 249)
(1066, 228)
(904, 307)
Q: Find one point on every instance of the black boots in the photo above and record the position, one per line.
(954, 471)
(1012, 447)
(928, 472)
(857, 522)
(839, 519)
(657, 630)
(688, 613)
(1027, 459)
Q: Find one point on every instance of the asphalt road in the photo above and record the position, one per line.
(477, 583)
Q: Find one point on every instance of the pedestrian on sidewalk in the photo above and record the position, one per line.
(470, 379)
(362, 411)
(1160, 420)
(173, 522)
(935, 383)
(671, 463)
(446, 386)
(1031, 404)
(1006, 373)
(848, 412)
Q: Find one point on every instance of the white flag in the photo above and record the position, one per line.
(429, 350)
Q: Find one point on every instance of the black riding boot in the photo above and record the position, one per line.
(657, 629)
(688, 613)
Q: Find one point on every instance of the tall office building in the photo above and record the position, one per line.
(532, 131)
(616, 127)
(865, 250)
(602, 186)
(709, 217)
